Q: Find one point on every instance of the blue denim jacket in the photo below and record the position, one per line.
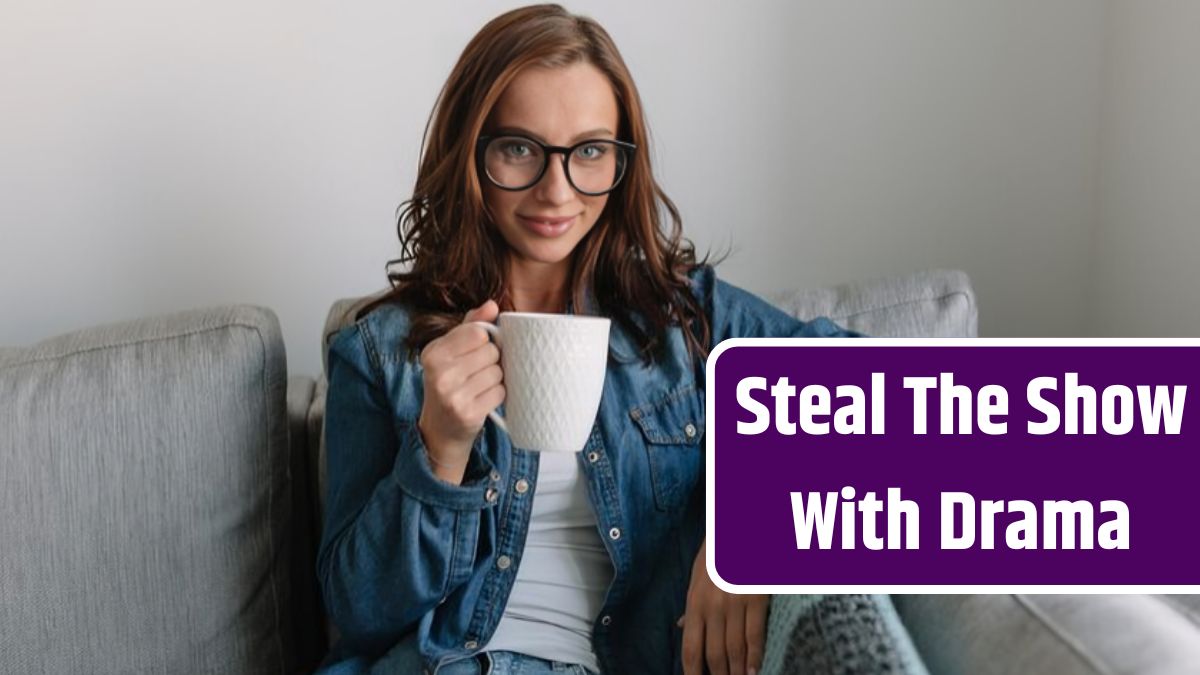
(405, 552)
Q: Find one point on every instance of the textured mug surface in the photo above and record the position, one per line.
(554, 367)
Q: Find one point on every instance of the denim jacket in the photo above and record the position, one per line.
(404, 554)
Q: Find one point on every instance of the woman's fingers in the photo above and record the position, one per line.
(464, 337)
(491, 399)
(714, 644)
(461, 340)
(735, 638)
(756, 632)
(473, 362)
(724, 631)
(693, 644)
(488, 311)
(483, 380)
(449, 375)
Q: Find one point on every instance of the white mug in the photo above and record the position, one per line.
(554, 367)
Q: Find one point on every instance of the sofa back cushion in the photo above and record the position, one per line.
(929, 303)
(144, 498)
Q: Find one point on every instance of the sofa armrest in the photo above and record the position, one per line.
(146, 498)
(1054, 634)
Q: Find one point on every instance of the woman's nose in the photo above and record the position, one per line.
(554, 186)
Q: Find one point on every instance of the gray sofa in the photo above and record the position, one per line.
(160, 486)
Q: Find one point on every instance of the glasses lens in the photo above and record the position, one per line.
(513, 162)
(596, 166)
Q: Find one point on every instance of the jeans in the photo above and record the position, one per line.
(510, 663)
(403, 659)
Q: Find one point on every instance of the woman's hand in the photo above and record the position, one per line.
(462, 384)
(725, 631)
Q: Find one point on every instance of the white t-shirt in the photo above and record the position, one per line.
(563, 573)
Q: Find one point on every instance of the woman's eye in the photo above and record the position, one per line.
(517, 149)
(593, 151)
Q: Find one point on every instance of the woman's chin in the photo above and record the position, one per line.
(543, 255)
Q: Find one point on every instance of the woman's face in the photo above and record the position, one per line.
(557, 106)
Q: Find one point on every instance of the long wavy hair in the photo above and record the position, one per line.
(632, 266)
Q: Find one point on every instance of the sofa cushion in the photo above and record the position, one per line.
(1054, 634)
(145, 498)
(930, 303)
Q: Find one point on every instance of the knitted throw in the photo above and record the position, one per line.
(838, 635)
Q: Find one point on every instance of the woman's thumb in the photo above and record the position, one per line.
(488, 311)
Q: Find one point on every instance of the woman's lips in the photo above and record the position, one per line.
(547, 227)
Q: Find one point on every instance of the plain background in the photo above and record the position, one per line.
(156, 156)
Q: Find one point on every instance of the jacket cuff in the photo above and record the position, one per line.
(480, 486)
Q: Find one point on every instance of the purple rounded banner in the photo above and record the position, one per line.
(1045, 465)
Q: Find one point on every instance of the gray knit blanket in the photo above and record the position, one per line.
(838, 635)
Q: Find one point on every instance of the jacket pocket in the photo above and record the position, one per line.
(672, 428)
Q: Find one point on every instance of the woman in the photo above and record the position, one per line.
(535, 193)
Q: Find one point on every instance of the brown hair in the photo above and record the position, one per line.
(626, 266)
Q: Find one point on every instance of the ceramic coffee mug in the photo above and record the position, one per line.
(554, 367)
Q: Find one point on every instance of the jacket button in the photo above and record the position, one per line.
(605, 620)
(471, 644)
(491, 495)
(593, 456)
(495, 475)
(522, 486)
(690, 430)
(614, 533)
(504, 562)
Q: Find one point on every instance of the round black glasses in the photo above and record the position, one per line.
(593, 167)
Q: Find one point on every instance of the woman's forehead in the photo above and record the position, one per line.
(557, 104)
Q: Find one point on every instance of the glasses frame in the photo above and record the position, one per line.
(547, 150)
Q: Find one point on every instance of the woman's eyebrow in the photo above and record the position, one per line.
(594, 133)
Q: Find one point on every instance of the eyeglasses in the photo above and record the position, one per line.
(593, 167)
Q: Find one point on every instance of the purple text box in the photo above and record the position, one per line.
(752, 531)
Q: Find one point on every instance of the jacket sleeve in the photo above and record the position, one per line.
(397, 540)
(734, 312)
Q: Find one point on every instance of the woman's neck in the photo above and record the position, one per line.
(538, 287)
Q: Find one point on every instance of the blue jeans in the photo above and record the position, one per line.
(510, 663)
(403, 659)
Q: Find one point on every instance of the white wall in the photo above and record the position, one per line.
(878, 137)
(155, 156)
(1147, 247)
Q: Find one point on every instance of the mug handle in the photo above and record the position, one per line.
(494, 331)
